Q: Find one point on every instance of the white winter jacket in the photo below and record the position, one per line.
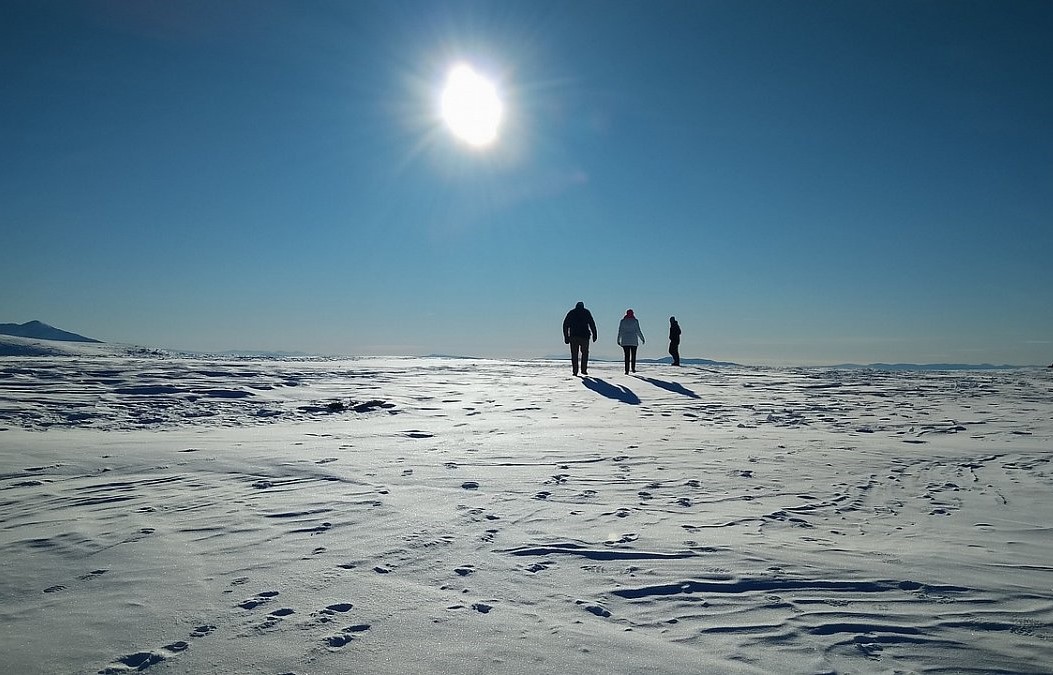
(629, 331)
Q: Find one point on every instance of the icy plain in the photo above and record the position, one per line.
(397, 515)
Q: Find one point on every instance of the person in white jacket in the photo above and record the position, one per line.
(628, 334)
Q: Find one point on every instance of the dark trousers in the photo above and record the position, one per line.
(674, 351)
(579, 344)
(630, 358)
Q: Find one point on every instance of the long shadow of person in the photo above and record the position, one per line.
(674, 387)
(623, 394)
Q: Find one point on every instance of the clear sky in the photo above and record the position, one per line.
(800, 182)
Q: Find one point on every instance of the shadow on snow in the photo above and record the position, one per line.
(623, 394)
(674, 387)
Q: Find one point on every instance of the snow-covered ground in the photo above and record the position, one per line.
(414, 515)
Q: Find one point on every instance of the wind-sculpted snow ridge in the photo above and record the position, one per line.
(132, 393)
(510, 518)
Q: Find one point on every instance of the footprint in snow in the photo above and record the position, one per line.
(340, 640)
(338, 607)
(142, 660)
(260, 599)
(624, 539)
(92, 574)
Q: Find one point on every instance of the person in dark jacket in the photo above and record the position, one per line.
(674, 340)
(577, 328)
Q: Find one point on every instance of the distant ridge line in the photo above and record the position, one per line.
(38, 330)
(667, 360)
(928, 366)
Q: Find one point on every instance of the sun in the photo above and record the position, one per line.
(471, 107)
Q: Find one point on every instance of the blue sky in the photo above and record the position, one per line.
(798, 182)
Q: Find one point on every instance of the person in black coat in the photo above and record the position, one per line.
(674, 340)
(577, 328)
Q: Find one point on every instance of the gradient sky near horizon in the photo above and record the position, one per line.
(810, 182)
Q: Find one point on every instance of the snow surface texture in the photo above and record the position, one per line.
(445, 515)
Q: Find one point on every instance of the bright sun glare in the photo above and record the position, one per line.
(471, 106)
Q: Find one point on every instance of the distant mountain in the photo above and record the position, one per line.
(41, 331)
(689, 362)
(927, 366)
